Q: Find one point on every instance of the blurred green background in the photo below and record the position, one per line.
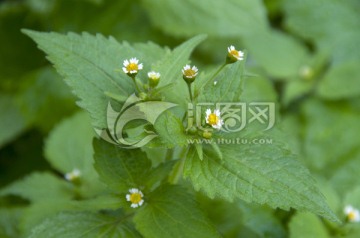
(304, 54)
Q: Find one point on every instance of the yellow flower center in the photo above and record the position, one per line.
(132, 66)
(351, 216)
(135, 198)
(189, 73)
(213, 119)
(234, 53)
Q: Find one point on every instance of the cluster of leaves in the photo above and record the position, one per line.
(311, 73)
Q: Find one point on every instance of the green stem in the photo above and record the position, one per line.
(136, 84)
(190, 92)
(179, 167)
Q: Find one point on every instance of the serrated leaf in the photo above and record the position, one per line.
(39, 187)
(84, 224)
(307, 225)
(170, 130)
(120, 169)
(223, 18)
(172, 212)
(265, 174)
(228, 87)
(89, 65)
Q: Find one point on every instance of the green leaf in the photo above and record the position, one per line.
(223, 18)
(228, 87)
(265, 174)
(12, 120)
(321, 21)
(158, 174)
(281, 55)
(84, 224)
(120, 169)
(171, 212)
(341, 81)
(69, 147)
(170, 69)
(41, 91)
(170, 130)
(89, 65)
(9, 220)
(39, 187)
(307, 225)
(38, 212)
(330, 134)
(345, 178)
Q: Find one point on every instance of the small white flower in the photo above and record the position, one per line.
(132, 66)
(154, 75)
(235, 55)
(214, 119)
(189, 72)
(71, 176)
(352, 214)
(135, 197)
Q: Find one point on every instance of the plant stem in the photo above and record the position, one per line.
(179, 167)
(136, 85)
(190, 92)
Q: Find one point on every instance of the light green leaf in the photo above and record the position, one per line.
(89, 65)
(321, 21)
(84, 224)
(265, 174)
(39, 187)
(170, 130)
(172, 212)
(330, 134)
(307, 225)
(345, 177)
(217, 18)
(280, 54)
(170, 69)
(341, 81)
(69, 147)
(228, 86)
(120, 169)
